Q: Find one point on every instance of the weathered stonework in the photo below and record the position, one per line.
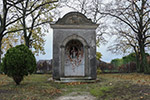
(74, 48)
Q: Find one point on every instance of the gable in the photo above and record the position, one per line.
(74, 18)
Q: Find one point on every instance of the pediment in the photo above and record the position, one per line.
(74, 18)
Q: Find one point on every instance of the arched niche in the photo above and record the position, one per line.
(74, 59)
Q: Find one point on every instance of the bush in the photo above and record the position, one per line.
(129, 58)
(117, 62)
(128, 68)
(18, 62)
(99, 71)
(98, 55)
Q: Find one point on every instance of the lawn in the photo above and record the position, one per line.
(108, 87)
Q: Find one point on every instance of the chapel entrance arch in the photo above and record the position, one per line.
(74, 59)
(74, 51)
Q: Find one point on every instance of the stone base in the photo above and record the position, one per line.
(75, 79)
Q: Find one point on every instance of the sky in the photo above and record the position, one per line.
(107, 56)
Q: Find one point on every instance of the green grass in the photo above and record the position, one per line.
(110, 87)
(34, 87)
(99, 92)
(111, 71)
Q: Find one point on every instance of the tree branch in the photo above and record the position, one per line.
(121, 20)
(31, 11)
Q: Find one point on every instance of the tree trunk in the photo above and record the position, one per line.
(137, 63)
(27, 42)
(0, 54)
(137, 54)
(17, 79)
(1, 49)
(143, 59)
(147, 69)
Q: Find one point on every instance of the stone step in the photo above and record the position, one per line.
(76, 79)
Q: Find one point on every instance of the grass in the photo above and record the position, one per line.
(34, 87)
(99, 92)
(110, 87)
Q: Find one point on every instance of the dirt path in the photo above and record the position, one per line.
(76, 96)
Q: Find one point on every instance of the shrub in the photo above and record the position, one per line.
(98, 55)
(18, 62)
(129, 67)
(99, 71)
(129, 58)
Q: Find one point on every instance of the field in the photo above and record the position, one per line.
(108, 87)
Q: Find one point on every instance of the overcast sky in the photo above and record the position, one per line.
(106, 55)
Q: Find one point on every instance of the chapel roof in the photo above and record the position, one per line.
(74, 18)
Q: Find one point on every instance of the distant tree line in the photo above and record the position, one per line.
(127, 63)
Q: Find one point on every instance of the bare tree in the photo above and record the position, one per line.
(125, 42)
(134, 16)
